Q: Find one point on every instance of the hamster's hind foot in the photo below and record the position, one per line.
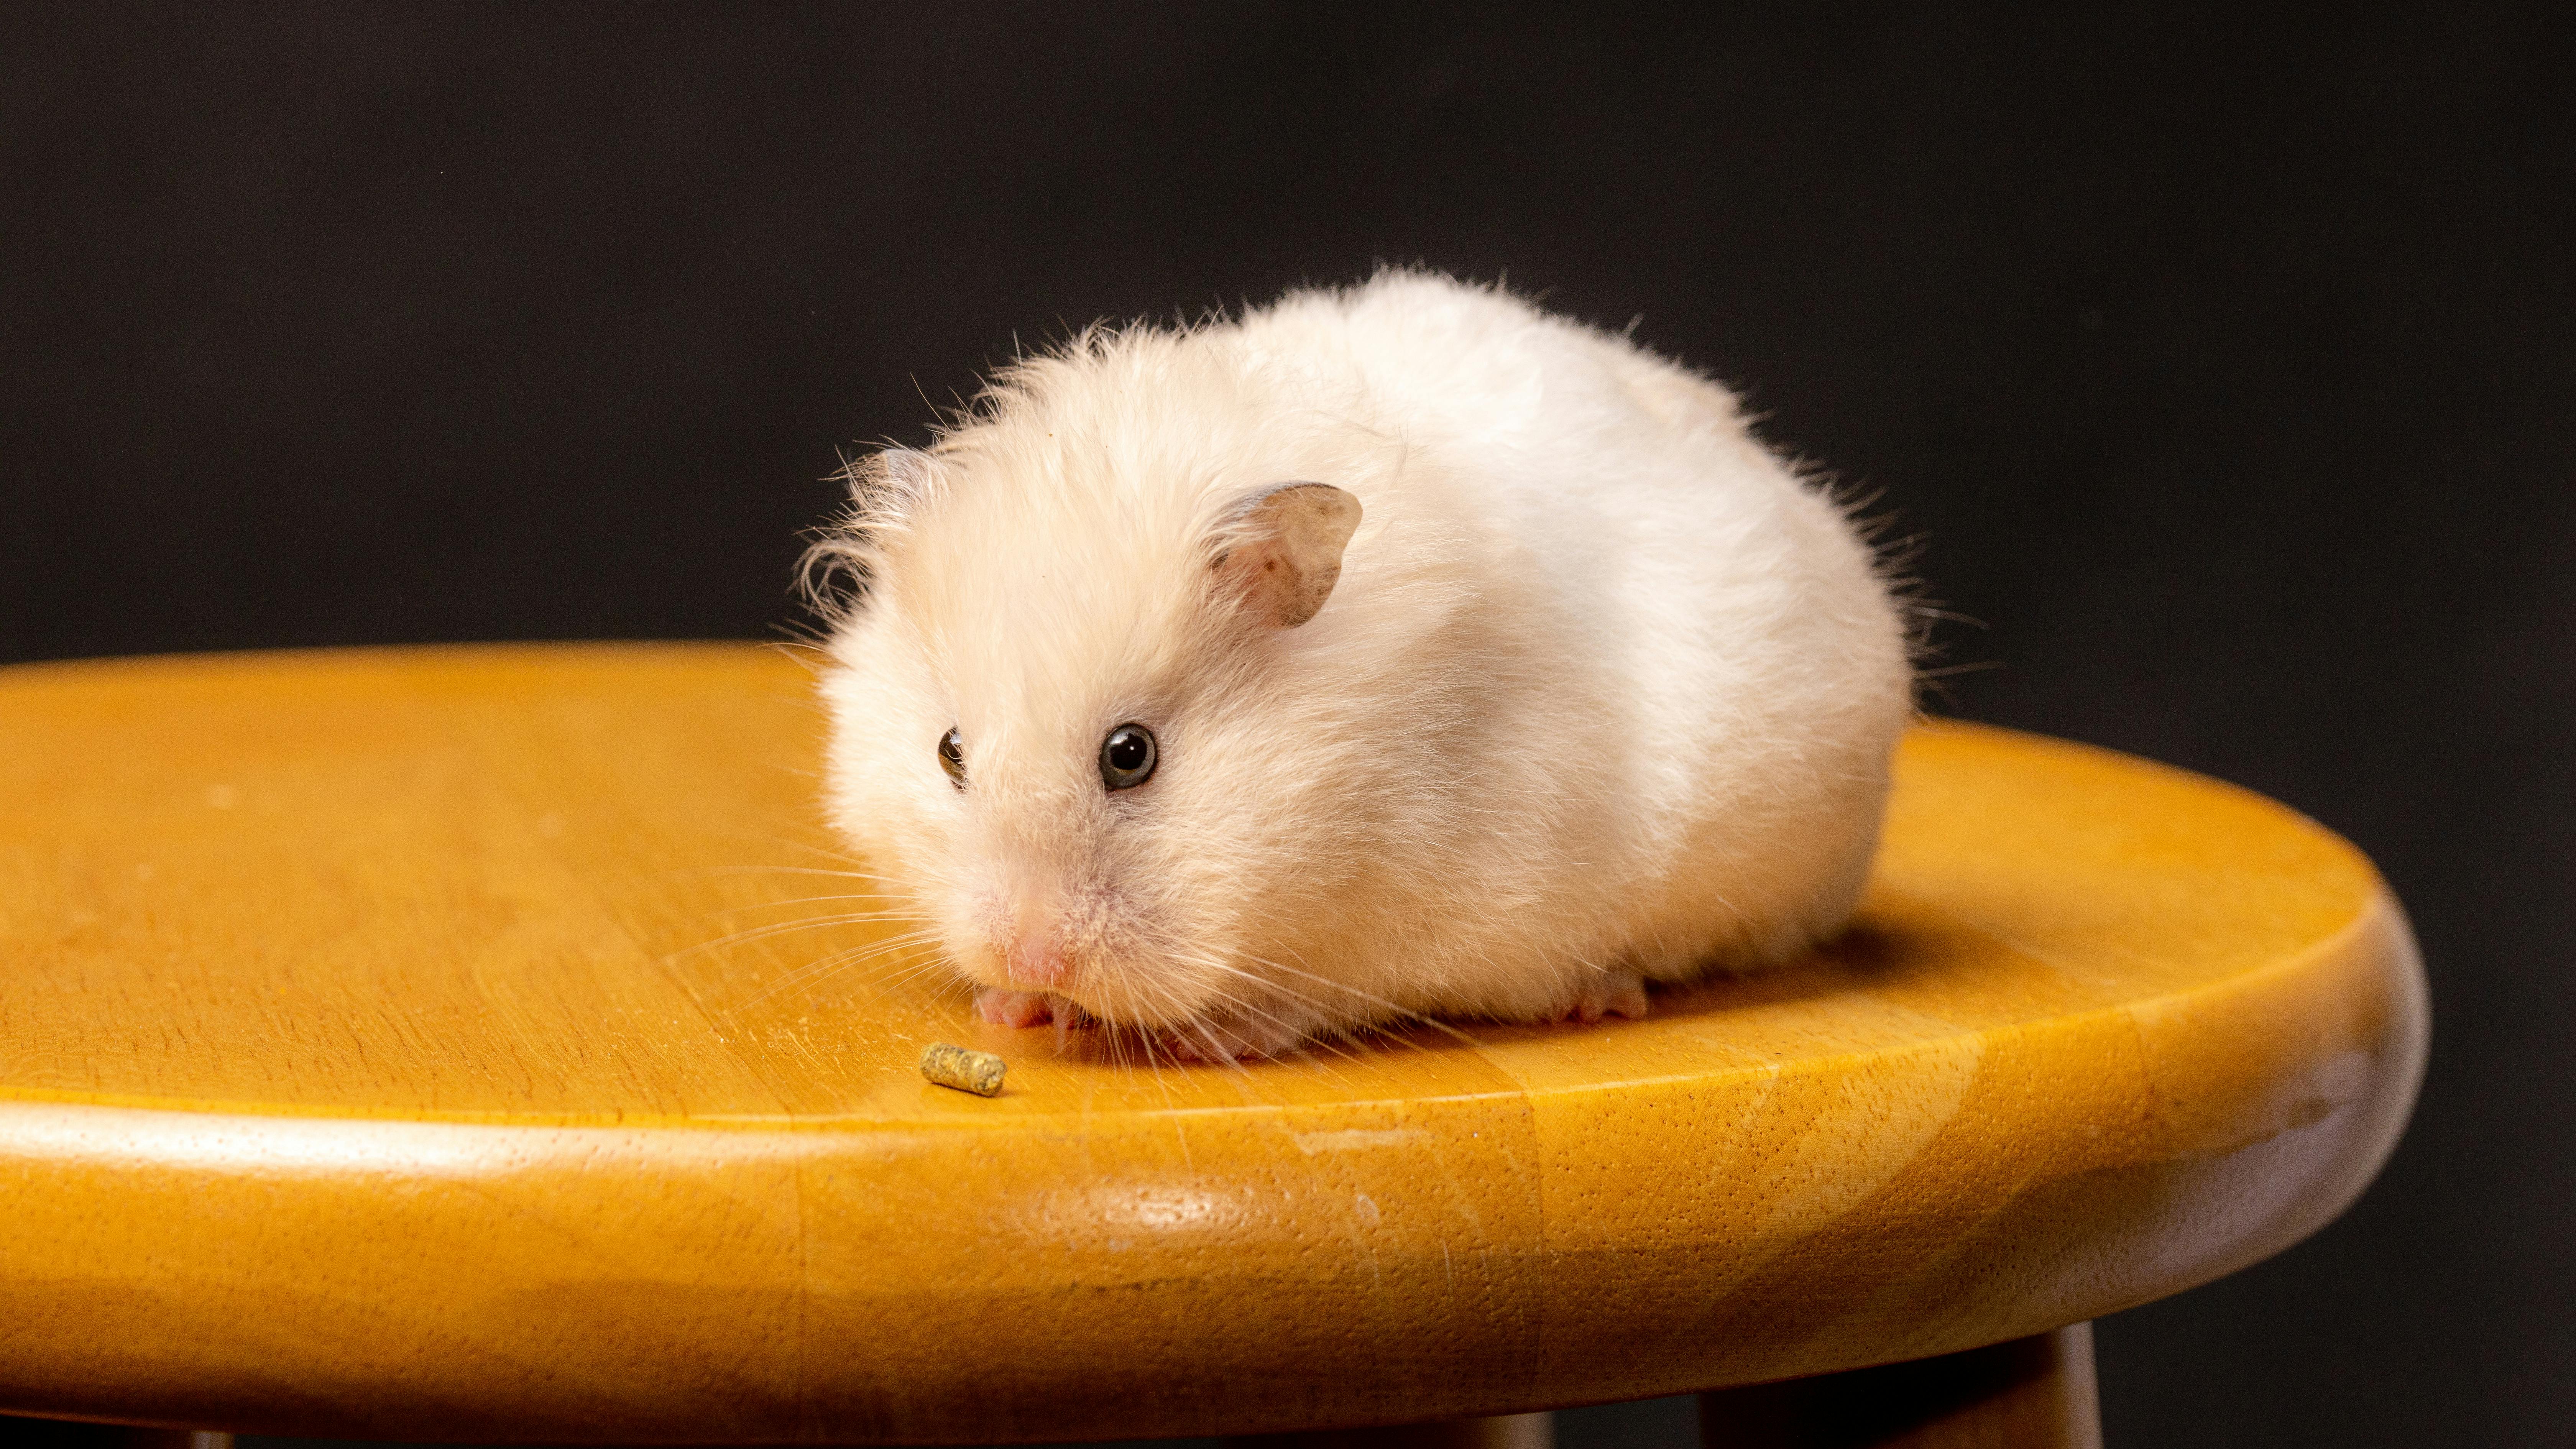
(1606, 993)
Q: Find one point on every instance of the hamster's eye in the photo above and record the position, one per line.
(952, 757)
(1127, 757)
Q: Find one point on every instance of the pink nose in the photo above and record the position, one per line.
(1037, 961)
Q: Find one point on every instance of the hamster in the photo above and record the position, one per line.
(1399, 651)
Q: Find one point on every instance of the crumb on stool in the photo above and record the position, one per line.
(967, 1071)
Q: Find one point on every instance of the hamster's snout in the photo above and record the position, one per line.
(1022, 934)
(1040, 935)
(1083, 942)
(1037, 959)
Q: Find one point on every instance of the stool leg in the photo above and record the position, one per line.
(1512, 1431)
(70, 1434)
(2031, 1393)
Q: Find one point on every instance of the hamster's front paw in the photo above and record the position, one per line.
(1209, 1042)
(1015, 1008)
(1606, 993)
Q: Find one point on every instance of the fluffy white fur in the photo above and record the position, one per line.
(1603, 693)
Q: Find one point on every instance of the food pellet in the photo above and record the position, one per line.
(967, 1071)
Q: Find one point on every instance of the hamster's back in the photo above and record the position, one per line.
(1736, 636)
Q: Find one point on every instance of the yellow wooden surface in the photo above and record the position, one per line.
(373, 1061)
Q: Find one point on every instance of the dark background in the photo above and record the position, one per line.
(2222, 361)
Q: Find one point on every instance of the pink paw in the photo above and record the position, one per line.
(1015, 1008)
(1212, 1043)
(1606, 994)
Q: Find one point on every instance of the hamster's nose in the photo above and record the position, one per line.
(1036, 960)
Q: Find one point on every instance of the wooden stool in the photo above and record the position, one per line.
(453, 1044)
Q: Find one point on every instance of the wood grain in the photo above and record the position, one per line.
(388, 1039)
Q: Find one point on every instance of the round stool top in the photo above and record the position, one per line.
(487, 1043)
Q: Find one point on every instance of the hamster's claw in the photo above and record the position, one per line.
(1015, 1008)
(1614, 993)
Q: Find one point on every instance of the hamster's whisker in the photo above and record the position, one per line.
(1153, 1065)
(831, 918)
(809, 977)
(814, 972)
(1299, 1039)
(732, 870)
(1217, 1054)
(780, 928)
(797, 842)
(838, 960)
(1244, 1003)
(888, 912)
(828, 857)
(888, 985)
(801, 901)
(1186, 1024)
(1374, 1000)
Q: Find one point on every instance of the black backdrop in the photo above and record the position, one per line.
(2223, 361)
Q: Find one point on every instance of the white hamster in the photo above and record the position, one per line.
(1388, 652)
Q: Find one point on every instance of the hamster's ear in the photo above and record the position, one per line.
(1279, 551)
